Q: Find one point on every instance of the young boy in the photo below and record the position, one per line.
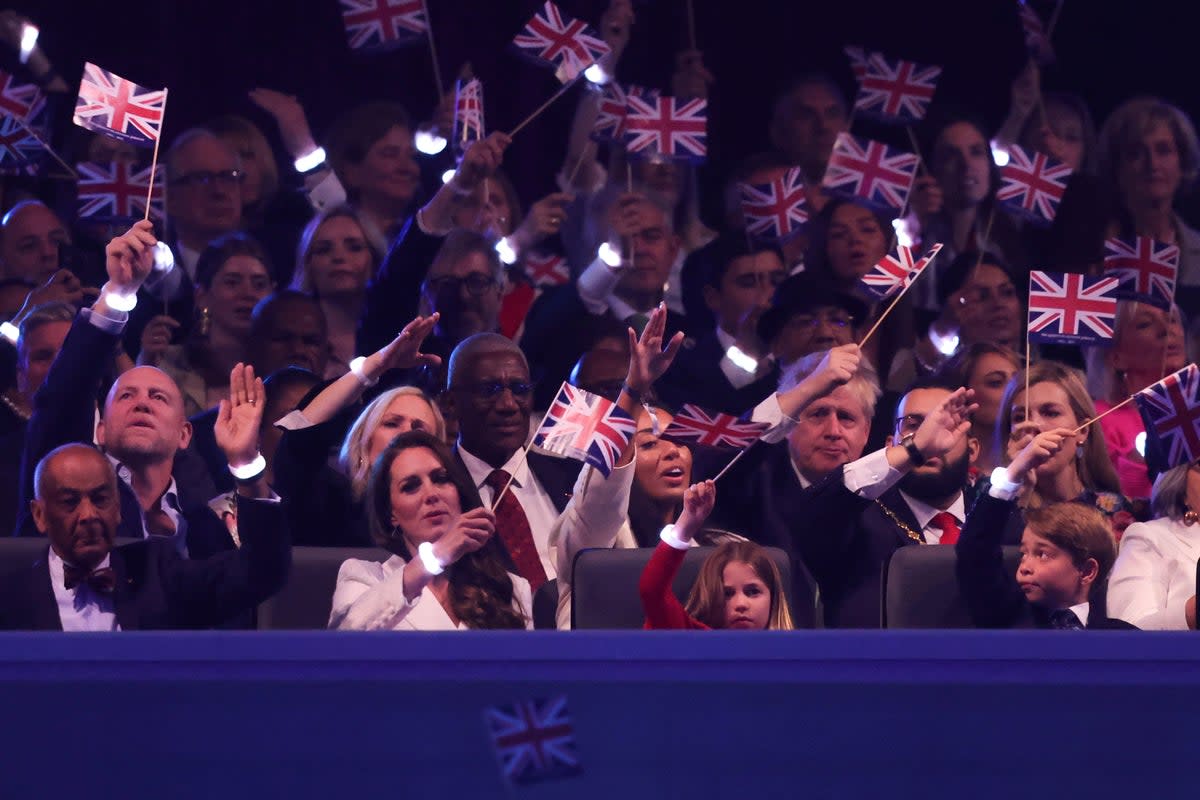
(1067, 550)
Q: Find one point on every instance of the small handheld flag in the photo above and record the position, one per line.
(116, 192)
(382, 25)
(871, 171)
(563, 42)
(586, 427)
(1171, 410)
(694, 425)
(894, 273)
(119, 108)
(1067, 308)
(667, 126)
(534, 740)
(1032, 185)
(777, 210)
(1146, 268)
(895, 90)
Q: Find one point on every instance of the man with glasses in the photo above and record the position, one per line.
(204, 198)
(729, 368)
(846, 527)
(490, 394)
(808, 315)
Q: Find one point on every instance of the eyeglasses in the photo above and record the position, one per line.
(909, 423)
(490, 390)
(477, 283)
(834, 319)
(226, 178)
(984, 294)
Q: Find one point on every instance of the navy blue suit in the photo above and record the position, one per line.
(156, 588)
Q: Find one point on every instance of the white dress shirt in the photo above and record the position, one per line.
(81, 609)
(872, 475)
(539, 509)
(169, 503)
(369, 596)
(1155, 574)
(734, 373)
(1081, 611)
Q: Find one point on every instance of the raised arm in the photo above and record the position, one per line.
(662, 607)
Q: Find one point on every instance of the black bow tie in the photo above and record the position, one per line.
(101, 580)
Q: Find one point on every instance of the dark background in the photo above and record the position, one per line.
(209, 52)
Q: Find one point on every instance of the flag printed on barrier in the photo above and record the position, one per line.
(565, 43)
(694, 425)
(382, 25)
(534, 740)
(116, 192)
(667, 126)
(1032, 185)
(119, 108)
(1171, 410)
(777, 210)
(1068, 308)
(895, 90)
(468, 113)
(894, 273)
(1146, 268)
(880, 175)
(586, 427)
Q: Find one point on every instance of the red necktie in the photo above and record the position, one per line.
(949, 525)
(513, 527)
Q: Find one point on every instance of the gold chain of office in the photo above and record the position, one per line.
(909, 532)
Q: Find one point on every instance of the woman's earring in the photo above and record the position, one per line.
(1190, 517)
(205, 321)
(1078, 452)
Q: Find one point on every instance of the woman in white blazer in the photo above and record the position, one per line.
(1153, 583)
(447, 572)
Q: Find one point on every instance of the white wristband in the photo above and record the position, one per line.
(118, 301)
(1002, 488)
(247, 472)
(10, 332)
(356, 367)
(428, 560)
(669, 536)
(310, 161)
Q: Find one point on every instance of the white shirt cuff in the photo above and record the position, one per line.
(871, 475)
(595, 284)
(113, 322)
(294, 421)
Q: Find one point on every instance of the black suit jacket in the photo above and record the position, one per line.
(991, 593)
(846, 541)
(158, 589)
(64, 411)
(697, 377)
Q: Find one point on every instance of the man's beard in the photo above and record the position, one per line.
(951, 478)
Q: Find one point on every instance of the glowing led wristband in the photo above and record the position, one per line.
(669, 536)
(356, 367)
(10, 332)
(310, 161)
(248, 472)
(608, 255)
(504, 249)
(428, 560)
(118, 301)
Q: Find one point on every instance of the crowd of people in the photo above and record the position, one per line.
(174, 432)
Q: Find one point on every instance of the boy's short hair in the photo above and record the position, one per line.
(1081, 531)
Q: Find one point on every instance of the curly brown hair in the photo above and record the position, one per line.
(481, 593)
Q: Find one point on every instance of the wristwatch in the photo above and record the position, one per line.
(914, 452)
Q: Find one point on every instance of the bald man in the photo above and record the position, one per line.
(83, 584)
(142, 426)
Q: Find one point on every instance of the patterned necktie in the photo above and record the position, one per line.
(1065, 620)
(513, 528)
(102, 580)
(948, 525)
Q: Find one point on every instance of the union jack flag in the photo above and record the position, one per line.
(116, 192)
(1147, 268)
(667, 126)
(1036, 40)
(587, 427)
(1067, 308)
(17, 99)
(895, 91)
(894, 273)
(713, 429)
(1171, 410)
(610, 118)
(565, 43)
(858, 60)
(468, 113)
(380, 25)
(20, 151)
(534, 740)
(1033, 185)
(871, 171)
(111, 105)
(776, 210)
(547, 269)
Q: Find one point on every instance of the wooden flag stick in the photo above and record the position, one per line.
(1027, 355)
(1058, 7)
(437, 71)
(524, 458)
(691, 24)
(987, 232)
(544, 105)
(888, 310)
(583, 154)
(162, 116)
(741, 453)
(29, 129)
(1098, 417)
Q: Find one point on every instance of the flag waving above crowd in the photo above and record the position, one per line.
(119, 108)
(381, 25)
(895, 90)
(563, 42)
(777, 210)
